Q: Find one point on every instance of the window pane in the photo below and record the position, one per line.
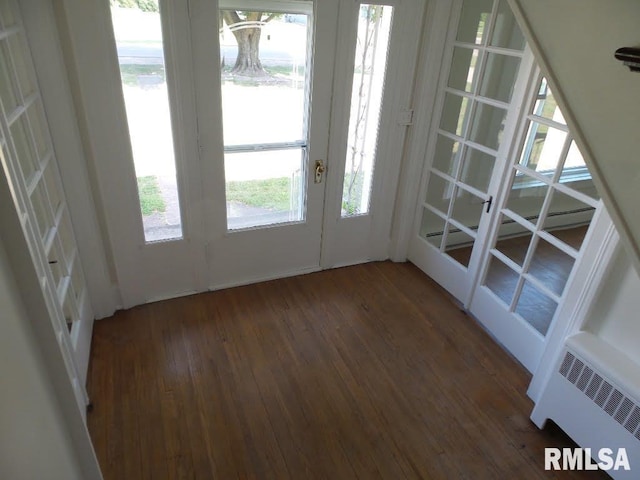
(566, 212)
(439, 192)
(576, 175)
(546, 105)
(38, 129)
(24, 74)
(454, 114)
(513, 240)
(264, 63)
(477, 169)
(374, 27)
(24, 147)
(264, 103)
(264, 188)
(432, 227)
(42, 211)
(8, 88)
(446, 155)
(536, 308)
(459, 246)
(499, 77)
(542, 148)
(463, 73)
(551, 266)
(473, 20)
(506, 32)
(54, 190)
(488, 125)
(467, 209)
(502, 280)
(526, 197)
(138, 37)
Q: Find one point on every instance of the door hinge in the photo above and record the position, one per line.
(405, 117)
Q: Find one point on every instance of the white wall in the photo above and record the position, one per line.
(33, 439)
(575, 41)
(614, 317)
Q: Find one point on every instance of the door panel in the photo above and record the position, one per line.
(468, 152)
(273, 135)
(29, 165)
(543, 223)
(370, 113)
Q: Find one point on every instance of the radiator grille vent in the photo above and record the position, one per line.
(594, 385)
(623, 409)
(633, 421)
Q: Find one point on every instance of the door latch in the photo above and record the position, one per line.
(319, 171)
(488, 202)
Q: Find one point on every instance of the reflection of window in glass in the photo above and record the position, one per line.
(264, 73)
(506, 32)
(139, 42)
(543, 148)
(374, 28)
(545, 105)
(546, 149)
(463, 71)
(473, 20)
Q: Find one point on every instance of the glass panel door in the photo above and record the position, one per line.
(543, 221)
(476, 95)
(264, 172)
(31, 170)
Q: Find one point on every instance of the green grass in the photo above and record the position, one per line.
(286, 70)
(352, 207)
(151, 200)
(272, 193)
(130, 72)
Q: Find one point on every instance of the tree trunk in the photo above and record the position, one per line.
(248, 60)
(248, 39)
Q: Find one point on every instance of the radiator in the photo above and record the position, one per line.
(593, 394)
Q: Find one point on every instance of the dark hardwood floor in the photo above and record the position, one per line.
(362, 372)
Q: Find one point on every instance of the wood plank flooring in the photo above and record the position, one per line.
(361, 372)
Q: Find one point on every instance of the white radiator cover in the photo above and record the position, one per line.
(593, 394)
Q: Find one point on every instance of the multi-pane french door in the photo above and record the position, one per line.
(262, 137)
(31, 181)
(547, 206)
(507, 200)
(485, 64)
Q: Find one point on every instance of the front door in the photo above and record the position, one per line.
(264, 170)
(262, 134)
